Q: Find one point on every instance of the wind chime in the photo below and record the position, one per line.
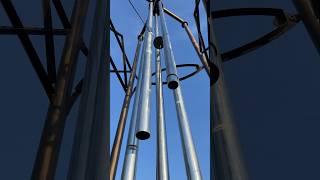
(140, 118)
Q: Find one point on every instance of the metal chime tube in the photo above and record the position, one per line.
(130, 161)
(193, 40)
(189, 151)
(162, 156)
(143, 115)
(172, 77)
(123, 115)
(190, 156)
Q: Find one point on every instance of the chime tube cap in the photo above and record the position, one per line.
(173, 81)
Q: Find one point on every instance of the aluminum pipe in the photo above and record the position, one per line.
(172, 75)
(130, 161)
(189, 151)
(123, 115)
(143, 115)
(162, 155)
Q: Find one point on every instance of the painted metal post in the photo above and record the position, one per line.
(48, 152)
(162, 155)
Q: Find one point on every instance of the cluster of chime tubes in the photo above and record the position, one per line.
(140, 118)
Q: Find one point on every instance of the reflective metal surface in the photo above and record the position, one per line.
(172, 76)
(123, 115)
(130, 161)
(162, 155)
(143, 117)
(189, 151)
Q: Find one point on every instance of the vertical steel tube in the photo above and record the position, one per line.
(162, 156)
(130, 161)
(189, 151)
(92, 101)
(48, 152)
(172, 77)
(98, 154)
(308, 12)
(116, 148)
(225, 151)
(143, 115)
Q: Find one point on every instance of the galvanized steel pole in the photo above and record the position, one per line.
(116, 148)
(308, 12)
(172, 77)
(225, 151)
(48, 152)
(89, 108)
(162, 155)
(189, 151)
(130, 161)
(143, 115)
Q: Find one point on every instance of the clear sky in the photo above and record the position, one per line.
(195, 91)
(274, 93)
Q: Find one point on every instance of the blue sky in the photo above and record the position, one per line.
(274, 93)
(195, 91)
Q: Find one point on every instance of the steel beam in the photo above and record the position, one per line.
(120, 43)
(48, 152)
(7, 30)
(118, 74)
(50, 53)
(62, 14)
(29, 48)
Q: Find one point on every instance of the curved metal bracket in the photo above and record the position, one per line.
(284, 21)
(197, 67)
